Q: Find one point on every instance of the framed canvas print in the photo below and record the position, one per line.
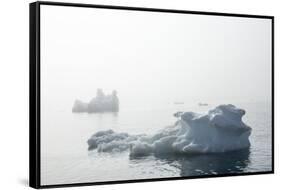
(128, 94)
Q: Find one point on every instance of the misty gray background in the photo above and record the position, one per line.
(152, 60)
(153, 56)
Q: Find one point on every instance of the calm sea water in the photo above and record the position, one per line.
(65, 158)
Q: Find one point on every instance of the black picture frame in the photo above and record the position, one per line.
(34, 93)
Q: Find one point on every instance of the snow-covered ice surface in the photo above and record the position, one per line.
(220, 130)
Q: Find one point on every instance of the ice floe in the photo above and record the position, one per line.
(219, 130)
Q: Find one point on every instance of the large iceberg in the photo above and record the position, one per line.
(101, 103)
(220, 130)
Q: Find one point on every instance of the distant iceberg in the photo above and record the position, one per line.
(80, 106)
(101, 103)
(202, 104)
(220, 130)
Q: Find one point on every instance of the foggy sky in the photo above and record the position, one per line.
(148, 56)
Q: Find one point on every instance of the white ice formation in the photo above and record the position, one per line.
(101, 103)
(220, 130)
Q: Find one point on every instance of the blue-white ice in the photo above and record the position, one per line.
(219, 130)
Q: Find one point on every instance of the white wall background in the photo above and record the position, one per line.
(14, 92)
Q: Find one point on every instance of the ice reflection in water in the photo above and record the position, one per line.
(207, 164)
